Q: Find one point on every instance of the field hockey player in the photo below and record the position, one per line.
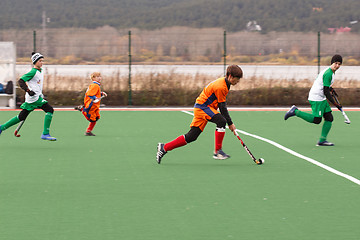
(211, 98)
(319, 92)
(91, 107)
(32, 84)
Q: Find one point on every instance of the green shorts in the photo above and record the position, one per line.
(320, 107)
(31, 106)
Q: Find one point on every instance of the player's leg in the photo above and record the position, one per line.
(196, 127)
(93, 117)
(49, 111)
(294, 111)
(308, 117)
(90, 128)
(328, 119)
(176, 143)
(314, 117)
(324, 133)
(15, 120)
(180, 141)
(86, 113)
(22, 117)
(220, 122)
(26, 109)
(9, 123)
(87, 110)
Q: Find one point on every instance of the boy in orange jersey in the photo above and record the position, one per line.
(91, 107)
(205, 109)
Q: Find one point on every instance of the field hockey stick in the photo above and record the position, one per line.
(347, 120)
(257, 161)
(98, 99)
(18, 128)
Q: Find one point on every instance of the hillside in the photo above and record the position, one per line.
(232, 15)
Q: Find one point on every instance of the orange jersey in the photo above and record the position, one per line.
(206, 104)
(213, 93)
(92, 110)
(92, 92)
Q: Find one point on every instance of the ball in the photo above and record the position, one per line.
(261, 161)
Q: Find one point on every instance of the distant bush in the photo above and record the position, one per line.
(150, 57)
(183, 97)
(174, 89)
(70, 60)
(351, 62)
(113, 59)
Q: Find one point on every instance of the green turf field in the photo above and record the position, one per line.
(110, 187)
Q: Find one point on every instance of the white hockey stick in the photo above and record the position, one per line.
(98, 99)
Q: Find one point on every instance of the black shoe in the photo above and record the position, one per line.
(324, 143)
(290, 113)
(79, 108)
(89, 134)
(220, 155)
(160, 152)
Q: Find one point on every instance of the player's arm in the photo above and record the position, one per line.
(25, 87)
(224, 111)
(327, 93)
(327, 89)
(27, 77)
(93, 98)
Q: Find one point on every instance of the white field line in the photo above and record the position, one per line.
(319, 164)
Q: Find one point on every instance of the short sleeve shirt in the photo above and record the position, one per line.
(214, 93)
(325, 78)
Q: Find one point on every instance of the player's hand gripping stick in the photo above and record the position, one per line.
(98, 99)
(334, 95)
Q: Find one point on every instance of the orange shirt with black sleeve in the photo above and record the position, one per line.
(206, 104)
(213, 93)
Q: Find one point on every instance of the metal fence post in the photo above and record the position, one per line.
(318, 52)
(130, 97)
(34, 40)
(224, 53)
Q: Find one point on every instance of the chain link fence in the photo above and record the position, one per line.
(176, 44)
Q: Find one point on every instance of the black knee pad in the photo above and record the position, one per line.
(328, 117)
(317, 120)
(47, 108)
(192, 135)
(23, 115)
(219, 120)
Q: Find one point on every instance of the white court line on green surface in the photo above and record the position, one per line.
(319, 164)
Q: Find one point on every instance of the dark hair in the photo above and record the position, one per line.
(234, 70)
(336, 58)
